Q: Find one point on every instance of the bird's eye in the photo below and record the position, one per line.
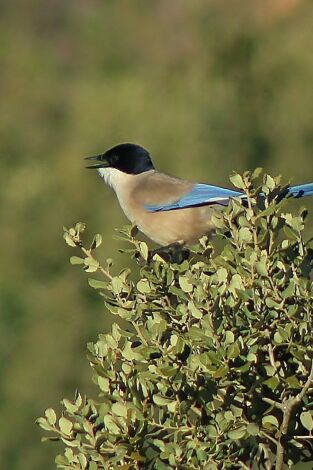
(113, 159)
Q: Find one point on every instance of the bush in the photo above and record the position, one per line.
(211, 365)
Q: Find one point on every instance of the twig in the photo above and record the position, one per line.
(243, 465)
(267, 456)
(287, 406)
(271, 356)
(270, 438)
(104, 271)
(302, 437)
(274, 403)
(139, 333)
(307, 385)
(254, 227)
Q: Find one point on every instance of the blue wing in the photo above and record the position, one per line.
(201, 194)
(205, 194)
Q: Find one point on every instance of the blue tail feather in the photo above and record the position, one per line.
(204, 194)
(301, 190)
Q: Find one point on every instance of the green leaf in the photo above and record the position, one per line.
(185, 284)
(104, 384)
(283, 332)
(43, 423)
(117, 284)
(144, 286)
(111, 425)
(61, 461)
(195, 312)
(270, 421)
(82, 460)
(76, 260)
(51, 416)
(272, 382)
(229, 337)
(233, 351)
(222, 274)
(178, 292)
(221, 372)
(160, 444)
(211, 431)
(96, 242)
(237, 181)
(69, 240)
(261, 267)
(91, 264)
(269, 182)
(161, 401)
(71, 407)
(306, 418)
(217, 220)
(93, 466)
(253, 429)
(293, 382)
(271, 303)
(66, 426)
(96, 284)
(256, 173)
(127, 369)
(119, 409)
(277, 337)
(238, 433)
(80, 227)
(143, 250)
(244, 235)
(236, 283)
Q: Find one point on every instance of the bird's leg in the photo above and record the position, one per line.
(174, 253)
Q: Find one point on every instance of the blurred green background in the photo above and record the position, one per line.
(207, 86)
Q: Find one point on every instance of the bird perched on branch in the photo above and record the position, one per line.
(168, 210)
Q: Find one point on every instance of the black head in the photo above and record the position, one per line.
(129, 158)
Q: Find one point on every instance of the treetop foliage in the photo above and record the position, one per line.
(209, 365)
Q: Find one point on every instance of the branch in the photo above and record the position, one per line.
(306, 387)
(287, 406)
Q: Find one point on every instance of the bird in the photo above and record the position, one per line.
(167, 209)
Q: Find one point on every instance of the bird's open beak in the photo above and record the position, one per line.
(101, 159)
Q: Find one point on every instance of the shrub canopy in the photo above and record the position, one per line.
(211, 365)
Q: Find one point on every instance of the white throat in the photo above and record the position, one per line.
(122, 183)
(114, 178)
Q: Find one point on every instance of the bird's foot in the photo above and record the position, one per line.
(173, 253)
